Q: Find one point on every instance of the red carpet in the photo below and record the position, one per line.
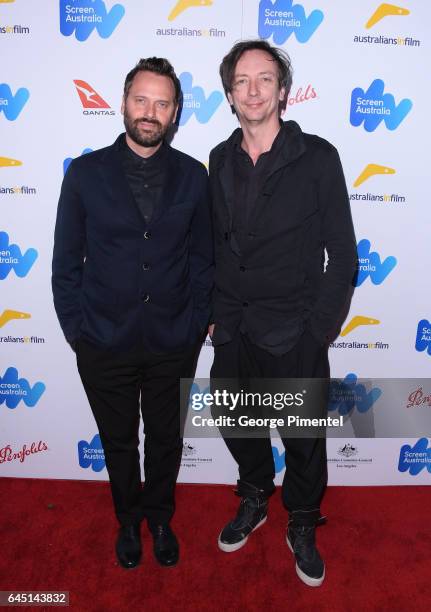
(59, 535)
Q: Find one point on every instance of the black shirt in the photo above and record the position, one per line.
(249, 179)
(146, 176)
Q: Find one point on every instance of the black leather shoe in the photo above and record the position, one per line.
(128, 547)
(165, 545)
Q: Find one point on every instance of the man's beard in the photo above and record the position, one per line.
(151, 139)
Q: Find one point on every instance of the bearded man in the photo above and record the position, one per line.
(132, 276)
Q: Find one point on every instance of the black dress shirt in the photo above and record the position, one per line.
(249, 179)
(146, 177)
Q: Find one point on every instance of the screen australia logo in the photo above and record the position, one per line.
(370, 265)
(371, 107)
(282, 18)
(13, 389)
(92, 102)
(12, 258)
(423, 336)
(81, 17)
(195, 101)
(91, 454)
(414, 459)
(11, 104)
(347, 394)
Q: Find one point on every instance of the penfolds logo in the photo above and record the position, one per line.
(301, 95)
(418, 398)
(7, 454)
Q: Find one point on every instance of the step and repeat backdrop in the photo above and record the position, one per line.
(360, 81)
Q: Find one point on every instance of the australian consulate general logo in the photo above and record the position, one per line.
(349, 457)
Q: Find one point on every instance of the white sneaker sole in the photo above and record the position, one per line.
(233, 547)
(312, 582)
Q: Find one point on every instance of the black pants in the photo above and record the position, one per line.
(305, 477)
(119, 385)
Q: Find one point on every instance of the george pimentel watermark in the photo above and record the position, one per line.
(306, 408)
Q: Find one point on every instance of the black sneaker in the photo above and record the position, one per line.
(309, 565)
(252, 513)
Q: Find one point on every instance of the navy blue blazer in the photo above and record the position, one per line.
(116, 280)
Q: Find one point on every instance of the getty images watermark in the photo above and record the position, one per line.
(240, 400)
(249, 408)
(307, 408)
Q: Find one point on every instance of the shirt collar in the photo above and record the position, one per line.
(134, 158)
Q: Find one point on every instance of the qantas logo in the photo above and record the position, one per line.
(90, 99)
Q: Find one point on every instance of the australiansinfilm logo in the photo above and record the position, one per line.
(9, 315)
(14, 190)
(8, 25)
(357, 326)
(82, 17)
(387, 15)
(374, 173)
(183, 13)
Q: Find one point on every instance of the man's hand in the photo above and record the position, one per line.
(211, 330)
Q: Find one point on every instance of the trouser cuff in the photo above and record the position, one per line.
(246, 489)
(307, 518)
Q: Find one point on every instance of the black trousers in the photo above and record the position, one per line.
(120, 385)
(305, 477)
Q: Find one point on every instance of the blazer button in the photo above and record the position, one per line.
(147, 235)
(245, 304)
(146, 266)
(145, 298)
(242, 268)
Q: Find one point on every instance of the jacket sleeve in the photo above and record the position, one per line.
(338, 238)
(68, 256)
(202, 252)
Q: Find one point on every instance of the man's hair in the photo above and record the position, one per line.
(158, 65)
(228, 65)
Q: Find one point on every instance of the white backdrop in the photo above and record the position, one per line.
(360, 80)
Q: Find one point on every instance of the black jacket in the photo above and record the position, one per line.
(277, 284)
(117, 281)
